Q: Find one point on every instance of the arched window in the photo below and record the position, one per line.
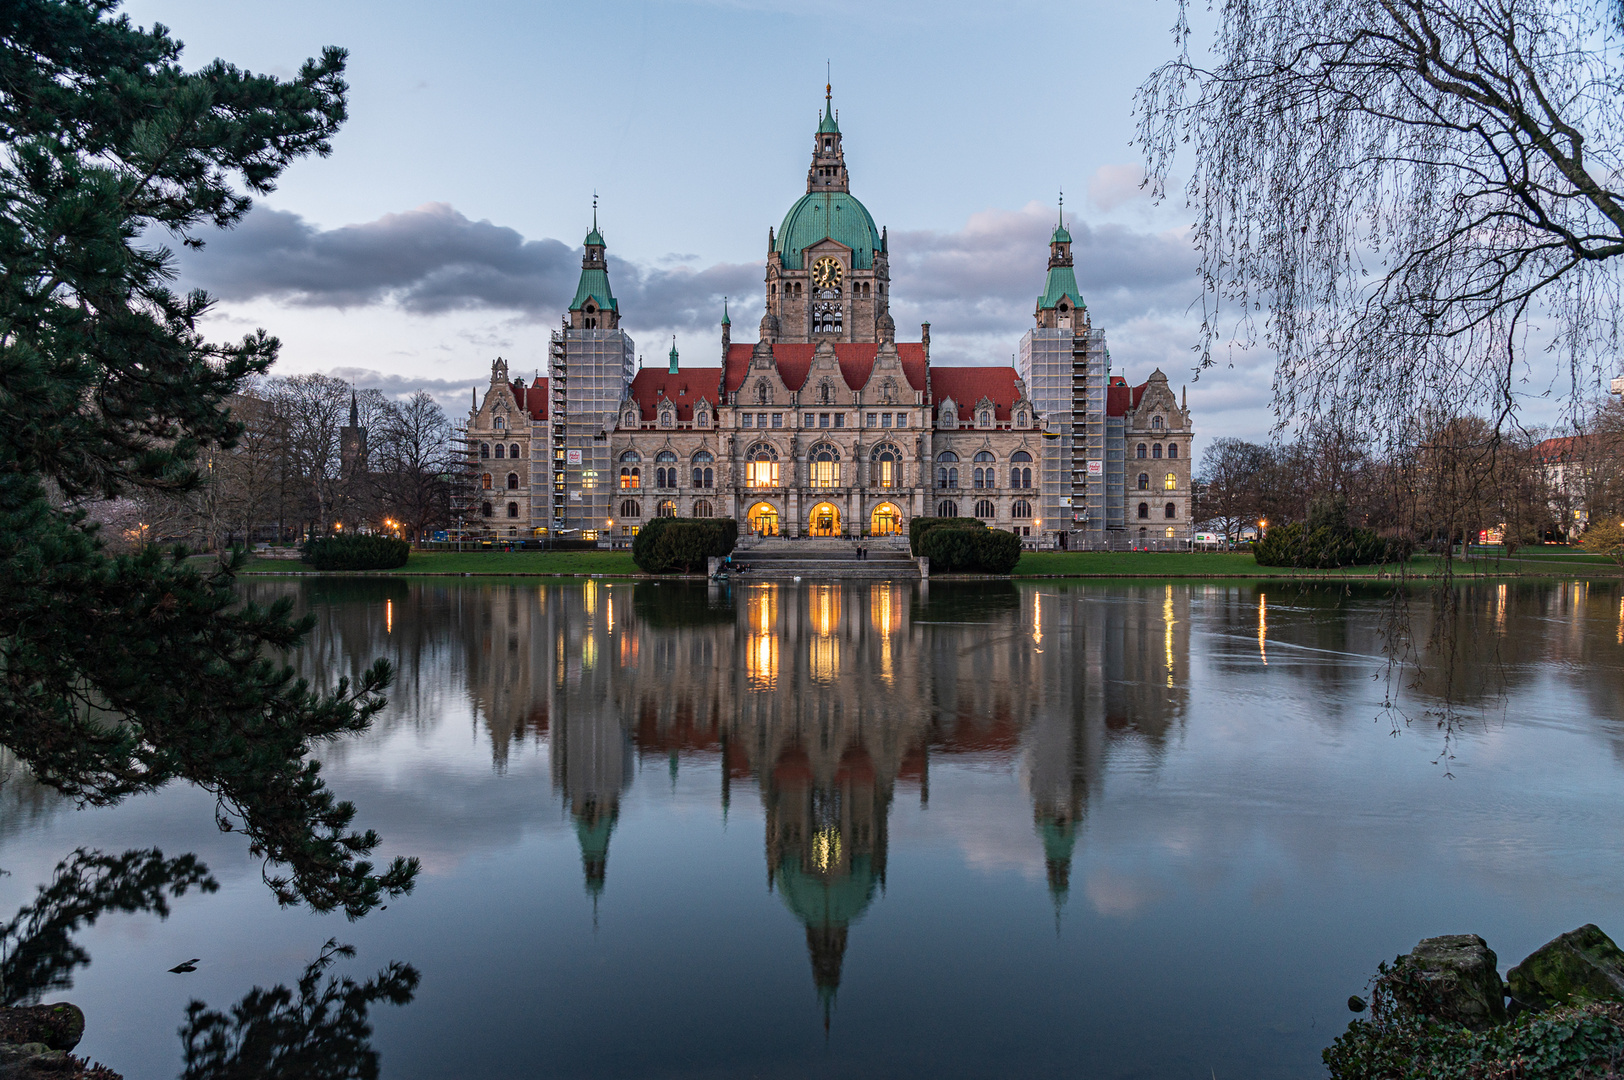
(513, 481)
(1144, 481)
(702, 508)
(761, 466)
(501, 451)
(484, 450)
(704, 475)
(985, 419)
(702, 419)
(513, 510)
(631, 478)
(632, 456)
(667, 509)
(1155, 423)
(1173, 449)
(629, 508)
(485, 481)
(984, 472)
(1021, 475)
(823, 466)
(1021, 509)
(513, 450)
(1170, 532)
(1172, 481)
(500, 424)
(485, 509)
(1171, 512)
(1139, 451)
(984, 509)
(1020, 419)
(947, 509)
(887, 466)
(947, 455)
(665, 472)
(629, 420)
(1156, 451)
(667, 418)
(1144, 510)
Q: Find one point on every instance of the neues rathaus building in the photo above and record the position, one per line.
(828, 424)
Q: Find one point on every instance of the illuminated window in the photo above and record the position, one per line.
(823, 468)
(887, 466)
(631, 478)
(667, 509)
(1171, 482)
(485, 481)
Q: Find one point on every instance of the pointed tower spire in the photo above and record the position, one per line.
(725, 320)
(828, 172)
(672, 370)
(355, 411)
(594, 306)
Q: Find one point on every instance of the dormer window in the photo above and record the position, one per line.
(630, 420)
(702, 419)
(1156, 423)
(985, 420)
(666, 418)
(500, 423)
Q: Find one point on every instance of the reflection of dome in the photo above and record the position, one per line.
(826, 908)
(593, 824)
(828, 215)
(1059, 835)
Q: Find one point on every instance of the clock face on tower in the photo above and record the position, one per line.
(826, 273)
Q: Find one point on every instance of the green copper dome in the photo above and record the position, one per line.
(1061, 236)
(828, 125)
(828, 215)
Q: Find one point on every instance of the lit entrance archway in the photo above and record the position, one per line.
(764, 519)
(825, 520)
(885, 520)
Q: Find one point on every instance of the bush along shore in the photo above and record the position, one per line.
(1442, 1012)
(36, 1041)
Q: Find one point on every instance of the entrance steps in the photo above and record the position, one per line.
(777, 558)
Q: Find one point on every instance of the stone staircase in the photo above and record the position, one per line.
(777, 558)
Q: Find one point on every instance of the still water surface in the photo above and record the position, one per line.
(898, 830)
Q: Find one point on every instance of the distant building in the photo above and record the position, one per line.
(827, 424)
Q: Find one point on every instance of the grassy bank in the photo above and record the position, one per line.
(616, 563)
(1241, 564)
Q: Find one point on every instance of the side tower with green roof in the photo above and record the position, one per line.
(591, 365)
(1064, 363)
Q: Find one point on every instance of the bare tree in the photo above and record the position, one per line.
(1230, 474)
(1401, 185)
(414, 459)
(312, 409)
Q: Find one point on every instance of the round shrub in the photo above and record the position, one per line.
(976, 549)
(681, 545)
(356, 552)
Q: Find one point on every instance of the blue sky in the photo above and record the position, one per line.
(444, 229)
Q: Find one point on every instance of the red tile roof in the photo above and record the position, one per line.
(968, 385)
(1563, 449)
(532, 398)
(1120, 397)
(856, 362)
(685, 388)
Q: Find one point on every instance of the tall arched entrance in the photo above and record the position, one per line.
(885, 521)
(764, 519)
(825, 520)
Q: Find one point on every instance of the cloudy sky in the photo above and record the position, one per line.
(445, 228)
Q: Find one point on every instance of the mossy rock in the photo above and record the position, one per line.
(1581, 965)
(59, 1026)
(1461, 979)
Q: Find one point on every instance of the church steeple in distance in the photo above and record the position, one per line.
(828, 172)
(594, 306)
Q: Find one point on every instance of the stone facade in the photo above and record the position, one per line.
(827, 425)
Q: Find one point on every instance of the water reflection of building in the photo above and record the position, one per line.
(830, 698)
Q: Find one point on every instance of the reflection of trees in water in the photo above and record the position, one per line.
(24, 801)
(317, 1029)
(37, 951)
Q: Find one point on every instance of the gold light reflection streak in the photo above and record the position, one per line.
(825, 646)
(1500, 609)
(885, 617)
(558, 662)
(826, 849)
(1263, 628)
(1621, 620)
(609, 612)
(389, 616)
(1037, 618)
(1167, 621)
(761, 652)
(589, 596)
(589, 650)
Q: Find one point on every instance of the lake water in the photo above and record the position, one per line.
(877, 830)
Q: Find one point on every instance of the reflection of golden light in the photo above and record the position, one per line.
(389, 616)
(885, 615)
(1167, 622)
(825, 659)
(558, 662)
(1500, 608)
(825, 609)
(589, 595)
(826, 849)
(1037, 618)
(609, 613)
(1621, 620)
(761, 653)
(628, 650)
(589, 651)
(1263, 628)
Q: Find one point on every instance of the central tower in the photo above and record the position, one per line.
(827, 272)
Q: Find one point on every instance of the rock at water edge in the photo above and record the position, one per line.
(1460, 973)
(1582, 964)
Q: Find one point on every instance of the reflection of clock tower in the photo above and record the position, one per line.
(827, 272)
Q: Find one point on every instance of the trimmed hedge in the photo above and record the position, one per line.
(1327, 541)
(681, 545)
(975, 549)
(356, 552)
(919, 526)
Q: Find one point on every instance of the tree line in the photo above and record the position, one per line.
(288, 476)
(1445, 480)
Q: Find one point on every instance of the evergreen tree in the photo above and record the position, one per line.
(119, 674)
